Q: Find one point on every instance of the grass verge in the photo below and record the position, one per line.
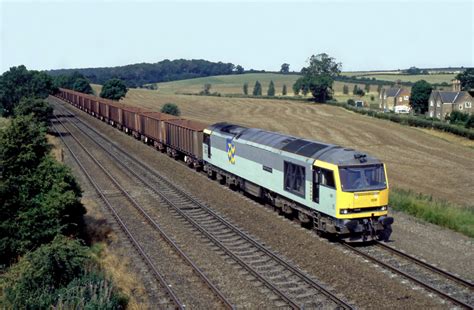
(442, 213)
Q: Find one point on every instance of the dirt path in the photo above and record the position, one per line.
(416, 160)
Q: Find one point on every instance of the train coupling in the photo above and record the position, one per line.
(369, 229)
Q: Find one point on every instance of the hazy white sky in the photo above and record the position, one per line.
(255, 34)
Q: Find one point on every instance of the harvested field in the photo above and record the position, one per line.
(416, 160)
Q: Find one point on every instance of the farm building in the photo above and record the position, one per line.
(389, 98)
(443, 102)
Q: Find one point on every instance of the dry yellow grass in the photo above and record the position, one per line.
(448, 137)
(118, 266)
(113, 259)
(416, 160)
(56, 149)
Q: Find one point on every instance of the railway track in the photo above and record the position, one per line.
(120, 203)
(447, 285)
(295, 288)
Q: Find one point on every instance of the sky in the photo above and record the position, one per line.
(260, 34)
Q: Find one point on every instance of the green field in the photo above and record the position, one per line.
(435, 78)
(229, 84)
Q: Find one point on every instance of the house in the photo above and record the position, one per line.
(395, 96)
(441, 103)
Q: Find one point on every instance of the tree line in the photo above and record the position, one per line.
(137, 75)
(45, 262)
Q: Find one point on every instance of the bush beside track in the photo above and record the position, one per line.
(442, 213)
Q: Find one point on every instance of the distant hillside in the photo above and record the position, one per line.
(144, 73)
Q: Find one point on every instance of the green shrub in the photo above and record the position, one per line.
(351, 102)
(60, 273)
(458, 218)
(40, 109)
(39, 197)
(171, 108)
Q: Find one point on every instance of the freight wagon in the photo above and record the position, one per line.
(153, 129)
(184, 139)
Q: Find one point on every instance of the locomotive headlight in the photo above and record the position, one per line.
(344, 211)
(383, 208)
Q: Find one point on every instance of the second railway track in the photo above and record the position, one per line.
(280, 277)
(448, 286)
(170, 265)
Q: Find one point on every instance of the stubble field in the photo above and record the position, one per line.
(416, 160)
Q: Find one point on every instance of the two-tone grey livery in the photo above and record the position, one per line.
(302, 177)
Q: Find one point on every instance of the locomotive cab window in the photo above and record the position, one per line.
(294, 179)
(322, 177)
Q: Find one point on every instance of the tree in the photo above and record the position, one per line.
(354, 91)
(207, 89)
(284, 91)
(239, 69)
(345, 89)
(40, 109)
(82, 85)
(23, 145)
(467, 79)
(296, 87)
(39, 198)
(420, 93)
(285, 68)
(257, 89)
(170, 108)
(359, 92)
(318, 77)
(18, 83)
(67, 81)
(114, 89)
(367, 88)
(413, 71)
(271, 89)
(246, 88)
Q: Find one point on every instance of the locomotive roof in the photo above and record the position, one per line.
(316, 150)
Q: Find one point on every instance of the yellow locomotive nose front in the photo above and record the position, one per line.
(363, 192)
(369, 199)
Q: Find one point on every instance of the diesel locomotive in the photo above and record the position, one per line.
(334, 190)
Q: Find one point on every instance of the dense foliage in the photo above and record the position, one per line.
(39, 108)
(415, 71)
(114, 89)
(170, 108)
(61, 274)
(420, 94)
(39, 206)
(285, 68)
(461, 119)
(318, 77)
(39, 198)
(18, 83)
(467, 79)
(144, 73)
(82, 85)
